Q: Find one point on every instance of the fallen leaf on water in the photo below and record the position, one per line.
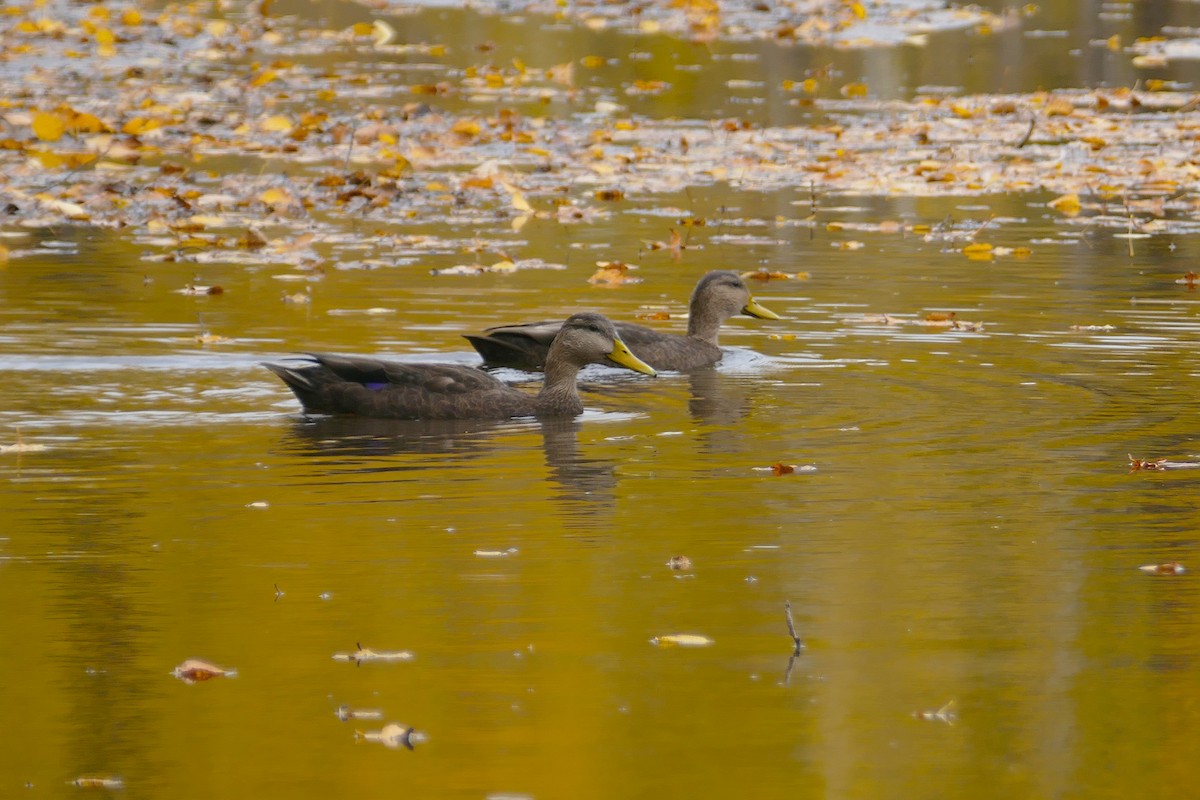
(679, 562)
(345, 713)
(95, 782)
(48, 127)
(22, 447)
(613, 273)
(944, 714)
(512, 551)
(774, 275)
(252, 239)
(1189, 279)
(392, 735)
(194, 670)
(210, 338)
(1136, 464)
(1170, 568)
(1067, 204)
(196, 290)
(854, 90)
(364, 654)
(681, 640)
(674, 245)
(783, 469)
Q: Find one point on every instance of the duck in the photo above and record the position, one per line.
(719, 295)
(369, 387)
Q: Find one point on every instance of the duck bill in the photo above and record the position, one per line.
(624, 356)
(753, 309)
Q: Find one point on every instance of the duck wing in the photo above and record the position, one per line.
(518, 346)
(369, 387)
(667, 351)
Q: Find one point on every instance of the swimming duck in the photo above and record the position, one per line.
(719, 295)
(368, 387)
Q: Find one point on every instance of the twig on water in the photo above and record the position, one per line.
(796, 640)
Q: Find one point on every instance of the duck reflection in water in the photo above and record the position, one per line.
(355, 445)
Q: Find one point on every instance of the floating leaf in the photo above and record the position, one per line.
(96, 782)
(1170, 568)
(392, 735)
(613, 273)
(681, 563)
(363, 654)
(1067, 204)
(276, 197)
(346, 713)
(681, 640)
(194, 671)
(22, 447)
(780, 468)
(944, 714)
(276, 124)
(48, 127)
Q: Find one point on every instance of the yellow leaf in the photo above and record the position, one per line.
(466, 127)
(104, 36)
(1067, 204)
(277, 124)
(854, 90)
(977, 247)
(859, 11)
(131, 17)
(362, 28)
(593, 62)
(682, 640)
(48, 127)
(275, 197)
(382, 33)
(88, 123)
(520, 203)
(139, 125)
(263, 78)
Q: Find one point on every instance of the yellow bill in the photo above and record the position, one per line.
(624, 356)
(753, 309)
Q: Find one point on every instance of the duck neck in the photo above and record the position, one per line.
(559, 386)
(703, 324)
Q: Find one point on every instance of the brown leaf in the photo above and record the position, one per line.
(613, 273)
(194, 670)
(1169, 568)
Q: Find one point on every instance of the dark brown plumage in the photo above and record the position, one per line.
(719, 295)
(367, 387)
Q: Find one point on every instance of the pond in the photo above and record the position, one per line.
(971, 428)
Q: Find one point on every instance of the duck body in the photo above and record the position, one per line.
(719, 295)
(369, 387)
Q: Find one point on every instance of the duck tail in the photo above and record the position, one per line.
(307, 381)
